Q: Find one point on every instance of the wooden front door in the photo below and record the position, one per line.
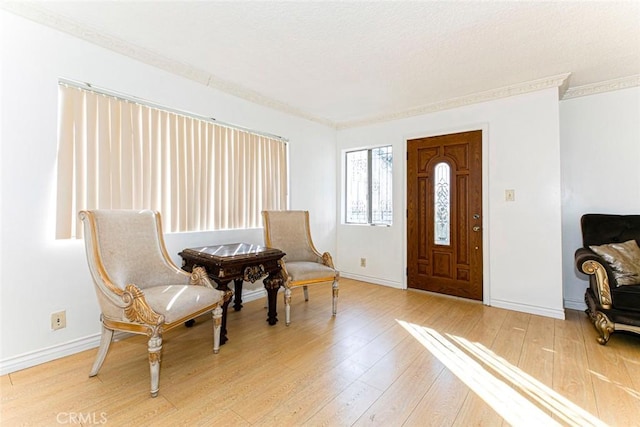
(444, 214)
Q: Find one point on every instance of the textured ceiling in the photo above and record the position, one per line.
(347, 62)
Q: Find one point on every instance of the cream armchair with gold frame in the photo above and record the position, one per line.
(303, 264)
(139, 289)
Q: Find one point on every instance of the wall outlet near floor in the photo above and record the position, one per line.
(363, 262)
(58, 320)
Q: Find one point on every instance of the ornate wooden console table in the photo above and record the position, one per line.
(239, 262)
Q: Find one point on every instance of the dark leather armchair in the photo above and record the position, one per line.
(610, 305)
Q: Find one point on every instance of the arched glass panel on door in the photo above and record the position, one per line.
(442, 201)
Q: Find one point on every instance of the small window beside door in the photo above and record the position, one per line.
(368, 186)
(442, 204)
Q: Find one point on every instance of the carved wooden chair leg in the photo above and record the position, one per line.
(306, 293)
(604, 326)
(287, 306)
(155, 355)
(105, 342)
(335, 297)
(217, 327)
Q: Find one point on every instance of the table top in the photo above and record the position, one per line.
(233, 251)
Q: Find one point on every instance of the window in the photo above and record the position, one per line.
(368, 175)
(442, 204)
(117, 154)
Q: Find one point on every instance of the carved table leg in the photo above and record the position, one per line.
(222, 286)
(237, 297)
(223, 331)
(272, 283)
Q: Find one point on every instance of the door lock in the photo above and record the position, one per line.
(476, 228)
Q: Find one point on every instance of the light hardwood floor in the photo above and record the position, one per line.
(390, 357)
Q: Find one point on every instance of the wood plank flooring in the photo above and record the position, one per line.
(390, 357)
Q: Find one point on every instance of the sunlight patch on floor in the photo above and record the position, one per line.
(531, 387)
(509, 399)
(629, 390)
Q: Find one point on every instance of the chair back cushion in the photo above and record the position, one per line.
(289, 232)
(600, 229)
(131, 248)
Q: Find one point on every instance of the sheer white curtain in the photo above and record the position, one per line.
(115, 154)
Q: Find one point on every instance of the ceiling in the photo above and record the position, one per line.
(351, 62)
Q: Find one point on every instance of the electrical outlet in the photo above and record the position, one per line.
(363, 262)
(58, 320)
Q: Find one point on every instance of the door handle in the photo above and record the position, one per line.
(476, 228)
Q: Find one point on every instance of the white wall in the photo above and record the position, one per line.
(522, 239)
(599, 139)
(600, 148)
(39, 275)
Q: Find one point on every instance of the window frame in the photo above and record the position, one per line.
(369, 198)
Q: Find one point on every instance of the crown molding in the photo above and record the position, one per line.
(34, 12)
(606, 86)
(257, 98)
(559, 81)
(42, 16)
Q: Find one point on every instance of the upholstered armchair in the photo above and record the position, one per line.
(302, 265)
(611, 257)
(139, 289)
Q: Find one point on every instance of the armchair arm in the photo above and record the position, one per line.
(602, 278)
(327, 260)
(137, 309)
(199, 277)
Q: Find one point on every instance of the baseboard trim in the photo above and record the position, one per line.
(575, 304)
(27, 360)
(374, 280)
(38, 357)
(33, 358)
(252, 295)
(531, 309)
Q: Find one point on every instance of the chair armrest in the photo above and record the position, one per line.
(199, 277)
(285, 273)
(602, 278)
(585, 254)
(137, 309)
(327, 260)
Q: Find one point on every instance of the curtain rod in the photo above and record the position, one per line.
(91, 88)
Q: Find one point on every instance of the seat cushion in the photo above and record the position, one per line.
(176, 302)
(626, 298)
(300, 271)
